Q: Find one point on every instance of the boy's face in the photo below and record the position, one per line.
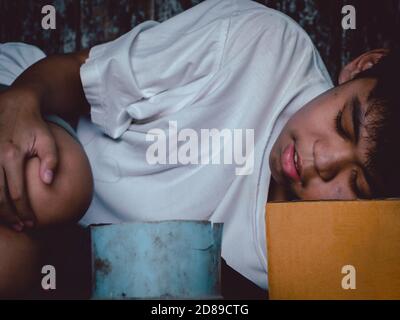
(321, 151)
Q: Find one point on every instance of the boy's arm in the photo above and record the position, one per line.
(55, 82)
(52, 85)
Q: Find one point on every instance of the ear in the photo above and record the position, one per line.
(361, 63)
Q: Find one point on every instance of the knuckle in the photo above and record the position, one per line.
(45, 138)
(16, 196)
(11, 152)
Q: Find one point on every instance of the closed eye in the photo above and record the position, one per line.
(359, 192)
(353, 184)
(338, 125)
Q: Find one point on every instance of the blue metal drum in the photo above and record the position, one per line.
(156, 260)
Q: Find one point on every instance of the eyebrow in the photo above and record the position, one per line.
(356, 117)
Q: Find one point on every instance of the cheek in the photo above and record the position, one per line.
(317, 116)
(311, 121)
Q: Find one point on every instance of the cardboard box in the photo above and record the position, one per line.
(334, 249)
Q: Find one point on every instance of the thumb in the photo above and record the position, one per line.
(48, 155)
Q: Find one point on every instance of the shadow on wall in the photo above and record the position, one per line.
(84, 23)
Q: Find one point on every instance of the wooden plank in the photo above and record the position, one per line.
(21, 21)
(84, 23)
(378, 25)
(105, 20)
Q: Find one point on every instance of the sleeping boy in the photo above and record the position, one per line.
(222, 65)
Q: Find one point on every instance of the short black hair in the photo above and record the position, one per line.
(383, 125)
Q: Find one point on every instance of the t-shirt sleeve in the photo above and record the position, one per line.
(15, 58)
(150, 59)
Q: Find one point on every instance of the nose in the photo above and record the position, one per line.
(330, 159)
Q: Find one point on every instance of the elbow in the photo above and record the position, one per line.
(68, 197)
(63, 202)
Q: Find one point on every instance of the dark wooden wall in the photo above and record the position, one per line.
(83, 23)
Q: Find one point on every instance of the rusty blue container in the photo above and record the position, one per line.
(156, 260)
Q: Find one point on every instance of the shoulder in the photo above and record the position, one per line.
(275, 34)
(253, 17)
(255, 28)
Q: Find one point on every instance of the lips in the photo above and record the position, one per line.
(290, 163)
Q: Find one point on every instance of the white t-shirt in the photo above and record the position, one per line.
(230, 64)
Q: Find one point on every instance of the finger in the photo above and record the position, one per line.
(48, 154)
(7, 212)
(15, 182)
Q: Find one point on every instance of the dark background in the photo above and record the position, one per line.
(84, 23)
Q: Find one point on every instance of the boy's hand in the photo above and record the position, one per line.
(23, 134)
